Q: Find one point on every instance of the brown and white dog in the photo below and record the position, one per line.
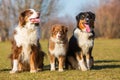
(26, 50)
(58, 44)
(79, 53)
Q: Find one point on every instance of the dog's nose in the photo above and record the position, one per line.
(87, 20)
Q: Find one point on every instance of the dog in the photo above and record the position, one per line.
(26, 49)
(58, 44)
(79, 55)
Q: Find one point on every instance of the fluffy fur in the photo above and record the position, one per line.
(58, 44)
(26, 50)
(79, 55)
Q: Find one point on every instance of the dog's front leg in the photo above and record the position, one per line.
(15, 66)
(52, 62)
(81, 61)
(33, 67)
(61, 62)
(15, 58)
(89, 61)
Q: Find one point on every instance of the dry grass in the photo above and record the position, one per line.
(107, 64)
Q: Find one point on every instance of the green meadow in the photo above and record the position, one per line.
(106, 54)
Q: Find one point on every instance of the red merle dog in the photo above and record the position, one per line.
(26, 50)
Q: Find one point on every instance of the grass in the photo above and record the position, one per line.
(106, 54)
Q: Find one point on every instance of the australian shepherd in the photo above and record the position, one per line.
(58, 44)
(26, 50)
(79, 55)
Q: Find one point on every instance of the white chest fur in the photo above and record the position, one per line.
(83, 41)
(26, 37)
(59, 49)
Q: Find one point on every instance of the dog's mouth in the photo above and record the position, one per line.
(87, 26)
(59, 36)
(35, 20)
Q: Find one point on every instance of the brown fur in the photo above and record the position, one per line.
(63, 40)
(35, 58)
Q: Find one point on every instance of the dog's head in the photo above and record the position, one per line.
(29, 16)
(85, 21)
(59, 31)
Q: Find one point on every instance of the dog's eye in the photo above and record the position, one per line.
(82, 17)
(31, 12)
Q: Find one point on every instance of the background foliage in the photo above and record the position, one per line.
(107, 24)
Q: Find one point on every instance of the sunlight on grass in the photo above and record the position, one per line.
(107, 64)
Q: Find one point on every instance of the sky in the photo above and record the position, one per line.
(73, 7)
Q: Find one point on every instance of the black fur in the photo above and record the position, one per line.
(71, 61)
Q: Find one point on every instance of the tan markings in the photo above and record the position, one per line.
(61, 60)
(33, 66)
(78, 56)
(20, 67)
(81, 25)
(52, 58)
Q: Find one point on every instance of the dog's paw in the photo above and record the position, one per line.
(84, 68)
(33, 71)
(82, 65)
(52, 69)
(13, 71)
(60, 70)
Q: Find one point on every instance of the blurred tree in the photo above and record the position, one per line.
(107, 16)
(107, 23)
(9, 12)
(49, 11)
(108, 20)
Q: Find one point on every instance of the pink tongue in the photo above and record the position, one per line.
(35, 20)
(87, 28)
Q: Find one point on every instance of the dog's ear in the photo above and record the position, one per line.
(65, 28)
(52, 29)
(92, 15)
(22, 19)
(79, 16)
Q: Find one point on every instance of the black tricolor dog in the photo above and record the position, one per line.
(79, 55)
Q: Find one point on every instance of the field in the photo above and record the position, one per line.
(106, 54)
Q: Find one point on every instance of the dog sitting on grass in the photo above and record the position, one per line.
(79, 55)
(58, 45)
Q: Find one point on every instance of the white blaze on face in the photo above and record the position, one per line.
(58, 35)
(34, 17)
